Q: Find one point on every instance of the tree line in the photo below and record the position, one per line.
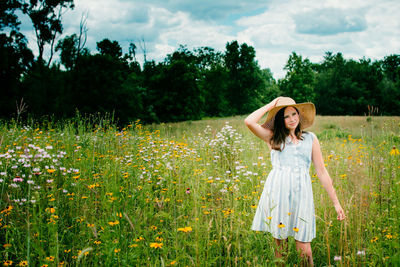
(186, 85)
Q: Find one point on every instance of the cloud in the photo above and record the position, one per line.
(329, 21)
(210, 10)
(274, 28)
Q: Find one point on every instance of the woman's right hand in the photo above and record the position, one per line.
(275, 101)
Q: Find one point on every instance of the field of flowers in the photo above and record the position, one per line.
(87, 193)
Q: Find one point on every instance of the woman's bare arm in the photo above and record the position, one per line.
(252, 122)
(325, 179)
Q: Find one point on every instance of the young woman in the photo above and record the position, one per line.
(286, 206)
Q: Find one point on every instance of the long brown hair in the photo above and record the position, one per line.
(281, 132)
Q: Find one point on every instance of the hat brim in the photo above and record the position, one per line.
(306, 111)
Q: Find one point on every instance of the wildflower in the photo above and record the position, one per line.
(7, 263)
(337, 258)
(117, 250)
(18, 179)
(51, 170)
(281, 225)
(187, 190)
(185, 229)
(374, 239)
(51, 258)
(153, 227)
(51, 210)
(296, 229)
(156, 245)
(394, 151)
(361, 253)
(113, 223)
(23, 263)
(97, 242)
(172, 263)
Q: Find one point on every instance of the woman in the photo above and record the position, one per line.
(286, 206)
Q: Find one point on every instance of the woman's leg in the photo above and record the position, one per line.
(281, 247)
(305, 252)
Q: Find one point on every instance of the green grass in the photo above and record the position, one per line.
(184, 194)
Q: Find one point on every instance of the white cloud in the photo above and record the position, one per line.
(274, 28)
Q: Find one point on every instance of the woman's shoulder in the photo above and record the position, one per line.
(310, 135)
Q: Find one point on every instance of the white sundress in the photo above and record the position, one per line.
(286, 205)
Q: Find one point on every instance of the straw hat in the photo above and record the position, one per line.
(306, 111)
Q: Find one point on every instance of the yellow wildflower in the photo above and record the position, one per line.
(113, 223)
(394, 151)
(185, 229)
(156, 245)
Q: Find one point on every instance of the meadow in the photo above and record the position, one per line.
(86, 193)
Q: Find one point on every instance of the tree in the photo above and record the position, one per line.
(46, 19)
(391, 67)
(299, 79)
(16, 57)
(106, 47)
(245, 84)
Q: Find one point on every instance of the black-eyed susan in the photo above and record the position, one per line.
(113, 223)
(295, 229)
(7, 263)
(281, 225)
(156, 245)
(185, 229)
(394, 151)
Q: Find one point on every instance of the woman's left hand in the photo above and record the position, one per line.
(340, 212)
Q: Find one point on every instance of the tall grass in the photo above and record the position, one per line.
(83, 192)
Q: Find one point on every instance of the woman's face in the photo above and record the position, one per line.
(291, 118)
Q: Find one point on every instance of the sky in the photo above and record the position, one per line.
(275, 28)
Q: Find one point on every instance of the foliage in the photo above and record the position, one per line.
(83, 192)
